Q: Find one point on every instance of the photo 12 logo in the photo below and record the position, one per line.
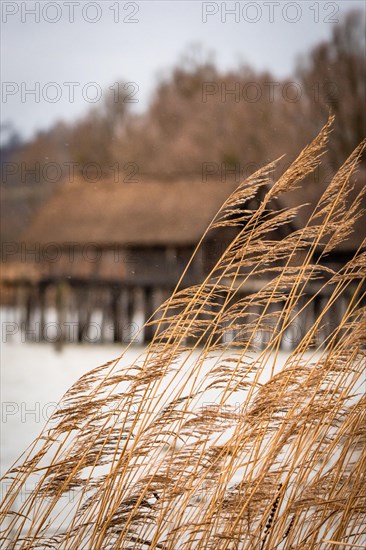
(53, 92)
(53, 12)
(53, 332)
(270, 12)
(269, 92)
(54, 172)
(27, 412)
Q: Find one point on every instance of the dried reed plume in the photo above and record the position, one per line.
(158, 454)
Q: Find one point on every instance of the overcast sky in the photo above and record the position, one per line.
(82, 42)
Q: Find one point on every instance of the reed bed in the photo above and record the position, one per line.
(159, 454)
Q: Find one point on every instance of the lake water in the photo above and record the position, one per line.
(35, 376)
(33, 379)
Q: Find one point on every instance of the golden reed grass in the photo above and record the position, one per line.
(142, 457)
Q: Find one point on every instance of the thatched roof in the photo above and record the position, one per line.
(141, 214)
(153, 213)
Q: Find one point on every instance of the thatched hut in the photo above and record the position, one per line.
(98, 259)
(109, 254)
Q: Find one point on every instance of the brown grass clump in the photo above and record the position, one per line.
(159, 454)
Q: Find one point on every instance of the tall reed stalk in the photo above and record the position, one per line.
(204, 443)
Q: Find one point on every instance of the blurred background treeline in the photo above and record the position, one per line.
(201, 122)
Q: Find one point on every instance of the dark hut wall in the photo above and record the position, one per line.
(95, 294)
(109, 300)
(114, 263)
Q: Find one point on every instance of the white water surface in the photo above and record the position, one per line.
(35, 376)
